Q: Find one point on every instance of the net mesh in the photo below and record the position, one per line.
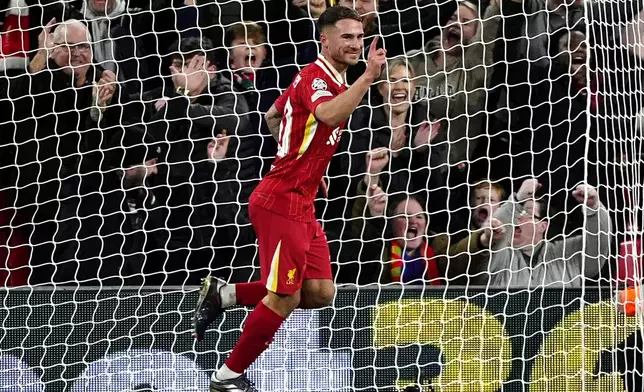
(482, 210)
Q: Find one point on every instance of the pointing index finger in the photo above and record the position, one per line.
(374, 44)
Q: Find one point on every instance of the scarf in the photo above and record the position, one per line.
(103, 52)
(596, 97)
(419, 265)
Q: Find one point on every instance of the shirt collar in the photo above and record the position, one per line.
(329, 69)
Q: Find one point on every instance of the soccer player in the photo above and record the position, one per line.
(307, 121)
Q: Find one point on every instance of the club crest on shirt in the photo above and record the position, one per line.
(291, 276)
(318, 84)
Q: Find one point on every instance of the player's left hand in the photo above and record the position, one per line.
(586, 194)
(218, 147)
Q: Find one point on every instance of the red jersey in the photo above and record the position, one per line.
(306, 145)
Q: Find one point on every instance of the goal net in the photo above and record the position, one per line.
(483, 209)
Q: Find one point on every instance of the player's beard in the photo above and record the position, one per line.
(347, 59)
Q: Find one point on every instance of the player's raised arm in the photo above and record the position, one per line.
(337, 110)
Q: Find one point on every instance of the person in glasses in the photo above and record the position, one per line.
(59, 107)
(525, 258)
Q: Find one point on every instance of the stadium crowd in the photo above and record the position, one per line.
(492, 151)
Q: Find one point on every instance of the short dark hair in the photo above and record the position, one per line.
(193, 46)
(334, 14)
(398, 198)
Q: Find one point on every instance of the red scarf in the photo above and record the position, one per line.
(596, 97)
(425, 252)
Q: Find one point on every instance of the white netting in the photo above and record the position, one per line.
(125, 180)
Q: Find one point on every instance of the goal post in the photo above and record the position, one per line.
(483, 209)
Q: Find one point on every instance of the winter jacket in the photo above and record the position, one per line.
(562, 263)
(53, 120)
(183, 129)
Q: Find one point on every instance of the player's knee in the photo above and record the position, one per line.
(326, 294)
(282, 304)
(322, 293)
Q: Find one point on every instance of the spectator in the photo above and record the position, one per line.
(547, 102)
(530, 27)
(314, 7)
(23, 37)
(453, 71)
(260, 83)
(184, 118)
(118, 224)
(410, 253)
(545, 17)
(52, 114)
(387, 144)
(290, 32)
(393, 123)
(486, 198)
(116, 48)
(524, 258)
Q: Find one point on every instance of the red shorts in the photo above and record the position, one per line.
(289, 251)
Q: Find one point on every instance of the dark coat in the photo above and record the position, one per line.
(52, 121)
(111, 237)
(197, 192)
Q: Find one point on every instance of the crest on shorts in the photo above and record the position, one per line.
(291, 276)
(318, 84)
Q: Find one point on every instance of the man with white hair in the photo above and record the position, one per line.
(54, 125)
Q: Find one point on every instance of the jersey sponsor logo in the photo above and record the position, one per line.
(318, 84)
(319, 94)
(334, 137)
(291, 276)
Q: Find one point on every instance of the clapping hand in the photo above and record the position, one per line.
(45, 40)
(426, 134)
(105, 88)
(218, 147)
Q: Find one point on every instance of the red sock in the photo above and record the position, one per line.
(261, 326)
(249, 294)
